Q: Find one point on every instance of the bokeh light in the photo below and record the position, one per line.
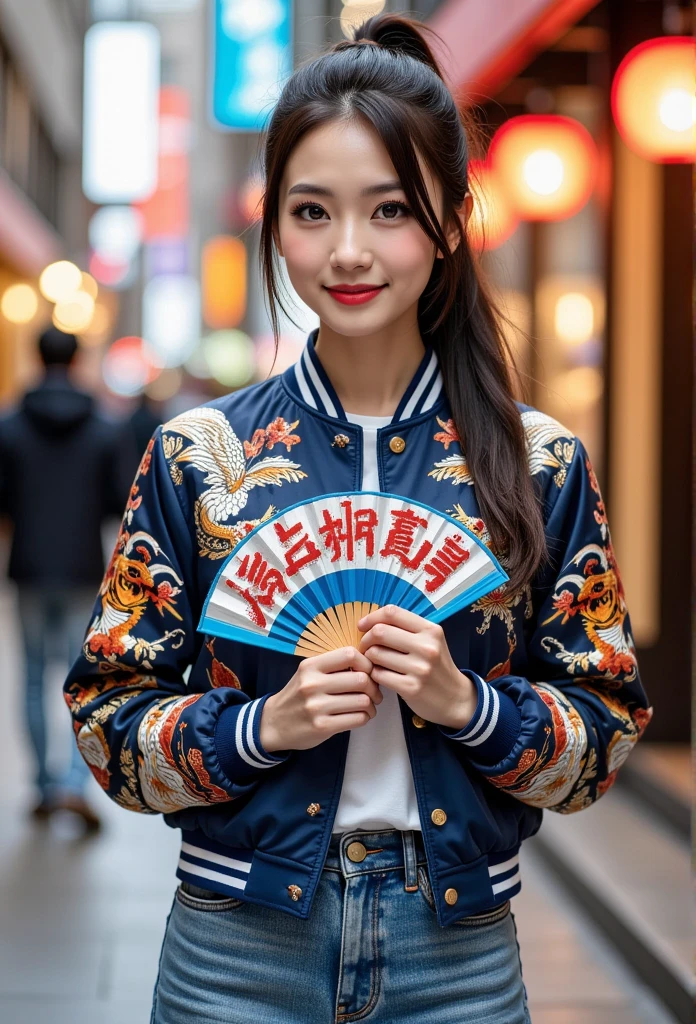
(60, 280)
(19, 303)
(90, 286)
(115, 233)
(546, 165)
(356, 12)
(230, 357)
(652, 99)
(75, 313)
(166, 385)
(129, 366)
(574, 318)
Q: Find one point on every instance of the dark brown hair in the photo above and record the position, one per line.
(396, 87)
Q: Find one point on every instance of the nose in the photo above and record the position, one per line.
(348, 251)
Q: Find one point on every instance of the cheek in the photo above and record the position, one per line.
(301, 250)
(408, 255)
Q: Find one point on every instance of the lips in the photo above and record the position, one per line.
(353, 289)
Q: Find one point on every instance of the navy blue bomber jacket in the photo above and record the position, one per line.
(168, 719)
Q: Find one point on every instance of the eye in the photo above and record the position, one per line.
(298, 210)
(390, 210)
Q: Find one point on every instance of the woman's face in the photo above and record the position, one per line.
(344, 220)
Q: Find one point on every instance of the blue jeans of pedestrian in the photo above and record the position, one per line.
(52, 619)
(370, 950)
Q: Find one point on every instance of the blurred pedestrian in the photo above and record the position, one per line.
(62, 473)
(139, 428)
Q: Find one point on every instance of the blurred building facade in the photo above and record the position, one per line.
(603, 294)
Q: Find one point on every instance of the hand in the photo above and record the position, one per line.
(410, 655)
(329, 693)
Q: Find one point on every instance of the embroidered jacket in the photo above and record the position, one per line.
(168, 719)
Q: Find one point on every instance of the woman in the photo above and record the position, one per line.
(352, 822)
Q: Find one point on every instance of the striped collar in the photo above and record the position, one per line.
(307, 380)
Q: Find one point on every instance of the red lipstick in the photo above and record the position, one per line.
(355, 294)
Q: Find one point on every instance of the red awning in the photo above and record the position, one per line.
(486, 42)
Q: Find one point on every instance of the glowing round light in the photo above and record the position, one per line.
(652, 99)
(230, 357)
(676, 110)
(492, 218)
(60, 280)
(574, 318)
(90, 286)
(546, 165)
(75, 314)
(129, 366)
(356, 12)
(19, 303)
(543, 172)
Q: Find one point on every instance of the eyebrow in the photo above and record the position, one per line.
(319, 190)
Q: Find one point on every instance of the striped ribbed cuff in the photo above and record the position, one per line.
(492, 732)
(238, 740)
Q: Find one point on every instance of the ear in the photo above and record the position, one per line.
(464, 213)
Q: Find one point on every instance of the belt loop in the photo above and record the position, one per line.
(410, 862)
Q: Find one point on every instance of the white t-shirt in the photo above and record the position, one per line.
(378, 790)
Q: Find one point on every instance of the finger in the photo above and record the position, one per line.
(346, 682)
(342, 658)
(384, 657)
(395, 616)
(383, 635)
(341, 704)
(395, 681)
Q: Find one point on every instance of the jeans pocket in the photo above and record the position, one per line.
(479, 919)
(212, 903)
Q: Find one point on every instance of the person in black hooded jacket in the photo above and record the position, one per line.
(64, 470)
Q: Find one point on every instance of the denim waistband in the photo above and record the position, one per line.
(358, 853)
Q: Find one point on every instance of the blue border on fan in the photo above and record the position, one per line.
(229, 632)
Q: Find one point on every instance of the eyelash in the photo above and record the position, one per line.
(295, 212)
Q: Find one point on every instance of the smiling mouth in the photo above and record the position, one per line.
(357, 289)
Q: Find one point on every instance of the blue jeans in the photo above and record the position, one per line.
(371, 949)
(56, 616)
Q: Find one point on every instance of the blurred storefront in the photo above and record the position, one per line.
(600, 282)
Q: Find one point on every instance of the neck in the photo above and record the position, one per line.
(371, 373)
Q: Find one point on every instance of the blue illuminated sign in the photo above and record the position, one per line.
(252, 59)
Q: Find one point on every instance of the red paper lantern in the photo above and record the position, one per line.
(652, 99)
(546, 165)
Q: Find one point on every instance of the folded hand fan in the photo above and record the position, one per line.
(301, 581)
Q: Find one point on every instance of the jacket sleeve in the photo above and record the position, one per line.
(153, 745)
(557, 739)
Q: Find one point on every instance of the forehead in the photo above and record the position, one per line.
(344, 156)
(349, 150)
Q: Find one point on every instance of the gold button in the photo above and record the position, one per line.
(397, 445)
(356, 852)
(295, 892)
(313, 809)
(418, 722)
(451, 896)
(438, 816)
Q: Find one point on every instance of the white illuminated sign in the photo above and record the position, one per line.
(121, 87)
(172, 317)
